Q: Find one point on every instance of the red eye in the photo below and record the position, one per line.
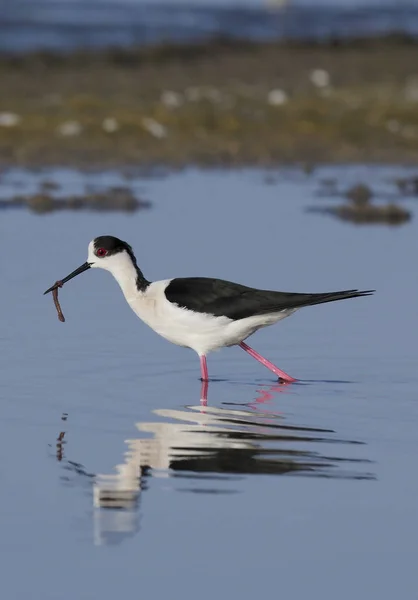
(101, 252)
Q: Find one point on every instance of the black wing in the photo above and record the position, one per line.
(224, 298)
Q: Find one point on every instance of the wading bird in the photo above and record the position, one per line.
(198, 312)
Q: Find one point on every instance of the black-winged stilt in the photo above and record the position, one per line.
(197, 312)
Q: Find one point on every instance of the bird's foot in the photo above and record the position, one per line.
(284, 381)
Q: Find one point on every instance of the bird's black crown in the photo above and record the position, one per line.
(113, 245)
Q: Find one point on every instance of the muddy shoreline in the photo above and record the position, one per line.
(218, 103)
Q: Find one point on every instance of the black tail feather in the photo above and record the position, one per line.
(300, 300)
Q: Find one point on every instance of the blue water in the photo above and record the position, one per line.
(300, 490)
(53, 24)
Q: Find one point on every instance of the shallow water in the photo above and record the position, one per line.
(304, 489)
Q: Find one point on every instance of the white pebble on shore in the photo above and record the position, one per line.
(9, 119)
(154, 128)
(69, 128)
(171, 99)
(320, 78)
(277, 97)
(110, 125)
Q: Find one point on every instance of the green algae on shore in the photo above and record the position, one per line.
(211, 104)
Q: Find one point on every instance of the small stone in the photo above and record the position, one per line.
(9, 119)
(69, 128)
(154, 127)
(171, 99)
(110, 125)
(320, 78)
(277, 97)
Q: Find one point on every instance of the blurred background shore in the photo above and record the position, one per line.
(109, 84)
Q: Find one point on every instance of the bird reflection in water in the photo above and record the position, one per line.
(207, 450)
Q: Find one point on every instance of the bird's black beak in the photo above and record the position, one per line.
(60, 283)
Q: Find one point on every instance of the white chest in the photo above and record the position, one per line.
(199, 331)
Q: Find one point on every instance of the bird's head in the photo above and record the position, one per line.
(105, 252)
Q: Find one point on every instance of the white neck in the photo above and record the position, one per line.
(125, 273)
(126, 278)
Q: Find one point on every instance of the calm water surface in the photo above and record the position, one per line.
(27, 25)
(301, 490)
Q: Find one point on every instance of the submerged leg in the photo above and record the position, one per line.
(204, 393)
(205, 381)
(203, 368)
(267, 363)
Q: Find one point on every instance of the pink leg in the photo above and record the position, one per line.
(204, 368)
(267, 363)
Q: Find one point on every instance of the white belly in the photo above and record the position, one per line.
(198, 331)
